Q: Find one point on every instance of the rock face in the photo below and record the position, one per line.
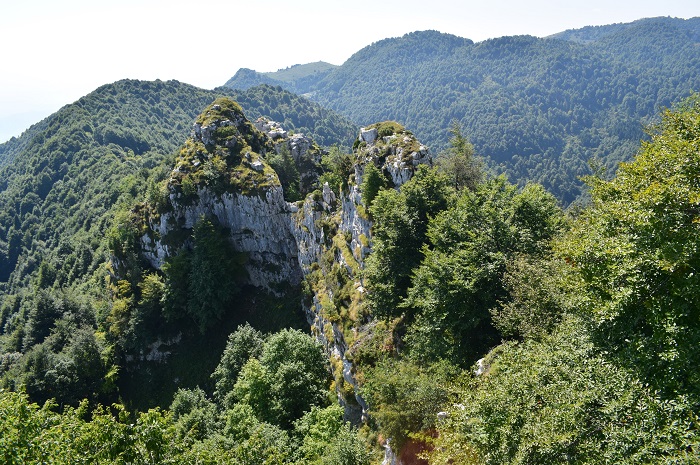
(273, 129)
(222, 173)
(259, 226)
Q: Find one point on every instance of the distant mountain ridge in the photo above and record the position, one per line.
(294, 78)
(590, 34)
(536, 109)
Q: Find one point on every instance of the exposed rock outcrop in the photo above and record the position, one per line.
(258, 225)
(222, 172)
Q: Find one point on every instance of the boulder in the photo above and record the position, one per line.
(368, 135)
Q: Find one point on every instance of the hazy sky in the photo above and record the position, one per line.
(55, 51)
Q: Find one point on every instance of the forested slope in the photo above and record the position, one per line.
(536, 109)
(65, 182)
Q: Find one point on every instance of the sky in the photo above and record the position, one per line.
(52, 52)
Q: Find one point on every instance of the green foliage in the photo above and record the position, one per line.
(283, 164)
(289, 377)
(194, 415)
(373, 181)
(32, 435)
(387, 128)
(561, 401)
(337, 167)
(400, 224)
(243, 344)
(214, 274)
(615, 380)
(636, 252)
(459, 162)
(404, 398)
(347, 448)
(316, 430)
(461, 275)
(194, 430)
(201, 283)
(534, 303)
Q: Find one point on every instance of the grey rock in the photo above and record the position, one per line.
(368, 135)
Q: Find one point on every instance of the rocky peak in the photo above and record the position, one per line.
(223, 173)
(393, 148)
(223, 124)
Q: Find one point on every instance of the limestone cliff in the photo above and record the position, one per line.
(224, 172)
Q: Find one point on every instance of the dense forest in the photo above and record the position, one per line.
(535, 109)
(372, 303)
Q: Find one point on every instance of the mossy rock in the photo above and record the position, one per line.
(388, 128)
(222, 108)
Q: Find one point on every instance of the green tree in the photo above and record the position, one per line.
(315, 430)
(337, 167)
(462, 273)
(243, 344)
(459, 162)
(214, 274)
(400, 224)
(636, 252)
(253, 387)
(347, 448)
(299, 373)
(194, 415)
(202, 282)
(404, 398)
(372, 182)
(535, 301)
(290, 377)
(283, 163)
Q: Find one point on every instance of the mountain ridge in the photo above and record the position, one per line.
(538, 109)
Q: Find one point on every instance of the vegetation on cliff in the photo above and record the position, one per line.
(590, 320)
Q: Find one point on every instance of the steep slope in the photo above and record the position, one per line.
(536, 109)
(223, 176)
(67, 180)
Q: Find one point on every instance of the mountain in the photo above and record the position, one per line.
(63, 176)
(294, 78)
(295, 113)
(536, 109)
(123, 250)
(66, 181)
